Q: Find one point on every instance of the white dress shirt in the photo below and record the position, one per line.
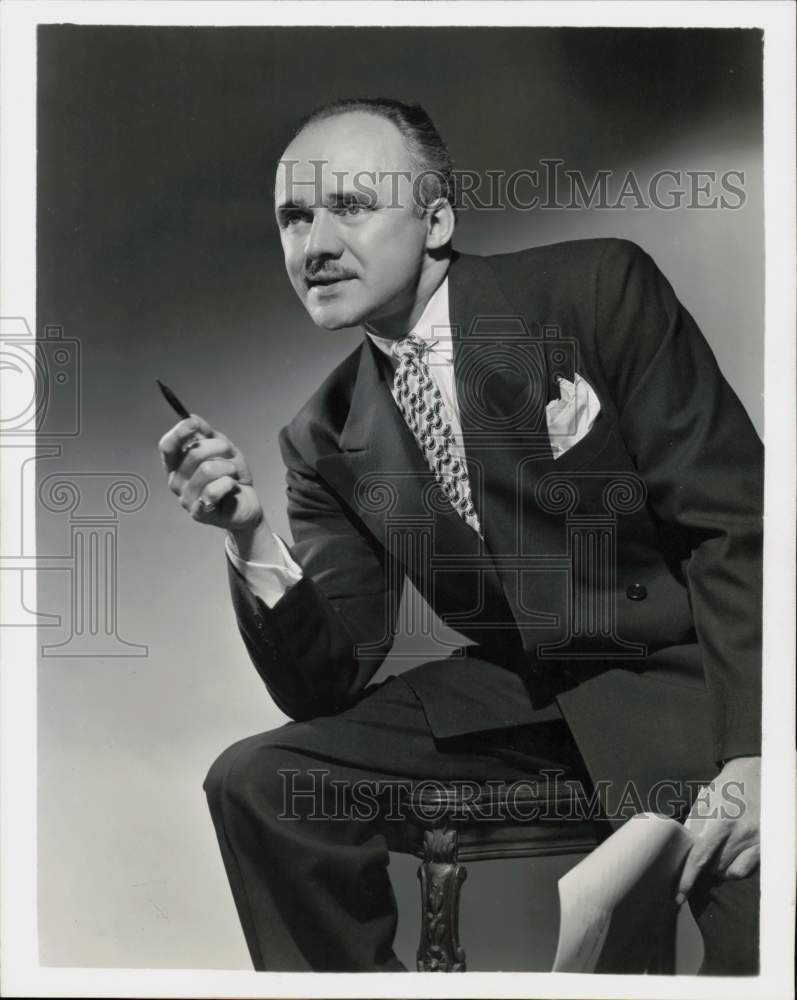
(569, 419)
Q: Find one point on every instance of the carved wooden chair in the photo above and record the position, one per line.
(538, 818)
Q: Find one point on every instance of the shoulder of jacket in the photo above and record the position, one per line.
(567, 257)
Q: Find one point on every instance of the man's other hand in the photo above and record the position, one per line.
(210, 476)
(724, 823)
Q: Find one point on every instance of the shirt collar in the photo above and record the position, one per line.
(434, 325)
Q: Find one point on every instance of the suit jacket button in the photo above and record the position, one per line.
(636, 592)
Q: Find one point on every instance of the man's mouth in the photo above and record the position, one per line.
(324, 280)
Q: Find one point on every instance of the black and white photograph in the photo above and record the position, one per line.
(398, 499)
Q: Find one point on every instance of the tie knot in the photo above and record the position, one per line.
(411, 346)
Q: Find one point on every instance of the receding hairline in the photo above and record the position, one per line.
(425, 152)
(349, 113)
(414, 165)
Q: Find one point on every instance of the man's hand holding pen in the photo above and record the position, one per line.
(212, 480)
(210, 476)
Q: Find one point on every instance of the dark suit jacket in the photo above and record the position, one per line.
(619, 584)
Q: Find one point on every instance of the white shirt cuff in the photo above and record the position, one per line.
(268, 581)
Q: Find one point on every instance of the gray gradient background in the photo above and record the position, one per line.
(157, 250)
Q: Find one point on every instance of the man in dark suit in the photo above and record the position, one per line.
(543, 444)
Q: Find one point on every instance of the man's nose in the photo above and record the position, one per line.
(323, 239)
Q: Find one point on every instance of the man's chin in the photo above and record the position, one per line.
(330, 323)
(337, 306)
(330, 317)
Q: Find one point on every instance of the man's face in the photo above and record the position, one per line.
(353, 242)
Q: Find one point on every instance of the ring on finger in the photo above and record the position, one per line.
(192, 442)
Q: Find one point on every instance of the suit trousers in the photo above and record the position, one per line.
(306, 815)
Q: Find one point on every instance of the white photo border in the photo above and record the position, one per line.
(21, 973)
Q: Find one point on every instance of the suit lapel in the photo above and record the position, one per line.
(503, 385)
(382, 476)
(380, 471)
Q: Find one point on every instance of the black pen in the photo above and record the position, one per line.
(172, 400)
(194, 440)
(181, 411)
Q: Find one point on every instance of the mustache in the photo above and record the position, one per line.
(319, 270)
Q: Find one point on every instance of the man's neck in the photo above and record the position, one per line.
(396, 326)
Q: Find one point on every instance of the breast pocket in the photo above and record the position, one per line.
(590, 448)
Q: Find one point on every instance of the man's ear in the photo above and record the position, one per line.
(440, 222)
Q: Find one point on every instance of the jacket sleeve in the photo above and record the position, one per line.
(702, 462)
(321, 643)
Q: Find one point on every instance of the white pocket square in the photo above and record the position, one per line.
(570, 418)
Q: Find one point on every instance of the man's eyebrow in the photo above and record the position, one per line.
(354, 194)
(334, 200)
(292, 203)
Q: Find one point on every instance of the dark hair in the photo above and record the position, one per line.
(428, 152)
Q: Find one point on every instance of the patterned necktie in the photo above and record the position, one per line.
(422, 406)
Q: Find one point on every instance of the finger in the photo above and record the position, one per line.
(695, 825)
(201, 450)
(173, 438)
(744, 864)
(206, 449)
(700, 812)
(739, 841)
(172, 443)
(202, 430)
(207, 472)
(202, 425)
(212, 496)
(701, 854)
(692, 867)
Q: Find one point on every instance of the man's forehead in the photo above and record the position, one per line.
(343, 147)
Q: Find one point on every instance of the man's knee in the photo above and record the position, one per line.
(248, 770)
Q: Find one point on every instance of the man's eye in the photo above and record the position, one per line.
(352, 208)
(290, 219)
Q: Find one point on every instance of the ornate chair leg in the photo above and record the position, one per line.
(441, 878)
